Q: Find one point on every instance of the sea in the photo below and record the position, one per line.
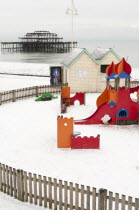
(129, 49)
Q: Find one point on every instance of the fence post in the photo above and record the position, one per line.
(13, 92)
(37, 91)
(0, 99)
(102, 199)
(20, 185)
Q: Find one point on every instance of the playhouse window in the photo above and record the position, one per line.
(122, 113)
(103, 68)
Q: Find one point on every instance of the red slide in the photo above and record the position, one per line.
(95, 118)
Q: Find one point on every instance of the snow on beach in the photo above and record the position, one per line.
(8, 82)
(25, 68)
(29, 137)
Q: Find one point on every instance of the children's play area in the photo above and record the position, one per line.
(85, 138)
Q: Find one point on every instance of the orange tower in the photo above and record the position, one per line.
(65, 95)
(64, 132)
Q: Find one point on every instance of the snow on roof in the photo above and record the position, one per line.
(71, 56)
(99, 53)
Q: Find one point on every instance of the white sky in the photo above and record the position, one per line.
(97, 19)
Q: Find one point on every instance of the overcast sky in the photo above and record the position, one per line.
(97, 19)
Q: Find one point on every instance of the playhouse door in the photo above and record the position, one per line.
(55, 75)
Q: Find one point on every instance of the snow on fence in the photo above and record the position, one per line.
(57, 194)
(14, 95)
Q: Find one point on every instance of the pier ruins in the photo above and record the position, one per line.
(39, 41)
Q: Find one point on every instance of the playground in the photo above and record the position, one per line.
(35, 124)
(38, 136)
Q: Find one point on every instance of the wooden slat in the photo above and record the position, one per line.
(60, 195)
(11, 181)
(82, 197)
(76, 196)
(94, 198)
(136, 204)
(45, 191)
(88, 198)
(25, 187)
(40, 190)
(50, 192)
(65, 195)
(18, 185)
(15, 182)
(71, 196)
(110, 200)
(7, 180)
(35, 188)
(123, 201)
(22, 185)
(4, 179)
(129, 203)
(116, 201)
(1, 178)
(55, 194)
(30, 188)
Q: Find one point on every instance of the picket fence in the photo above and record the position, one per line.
(57, 194)
(23, 93)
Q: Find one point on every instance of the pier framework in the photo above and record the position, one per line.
(39, 41)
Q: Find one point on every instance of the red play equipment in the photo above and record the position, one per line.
(85, 142)
(67, 138)
(67, 101)
(115, 101)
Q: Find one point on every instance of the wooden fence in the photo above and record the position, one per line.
(134, 83)
(58, 194)
(19, 94)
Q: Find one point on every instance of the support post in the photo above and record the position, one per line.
(116, 84)
(37, 91)
(20, 185)
(0, 99)
(128, 83)
(102, 199)
(13, 92)
(107, 82)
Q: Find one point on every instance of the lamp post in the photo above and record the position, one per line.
(72, 11)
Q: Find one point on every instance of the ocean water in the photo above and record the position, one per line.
(124, 48)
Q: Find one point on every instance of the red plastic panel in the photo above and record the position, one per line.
(78, 96)
(98, 115)
(85, 142)
(125, 102)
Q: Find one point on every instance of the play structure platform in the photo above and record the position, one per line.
(116, 102)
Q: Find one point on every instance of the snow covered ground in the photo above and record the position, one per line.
(28, 139)
(25, 68)
(28, 131)
(8, 82)
(9, 203)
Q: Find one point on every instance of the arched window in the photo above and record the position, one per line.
(122, 113)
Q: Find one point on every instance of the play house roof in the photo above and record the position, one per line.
(120, 70)
(98, 55)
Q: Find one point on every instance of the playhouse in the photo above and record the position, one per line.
(115, 101)
(85, 72)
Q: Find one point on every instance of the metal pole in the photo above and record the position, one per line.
(72, 6)
(72, 11)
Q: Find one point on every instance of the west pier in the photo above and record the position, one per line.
(39, 41)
